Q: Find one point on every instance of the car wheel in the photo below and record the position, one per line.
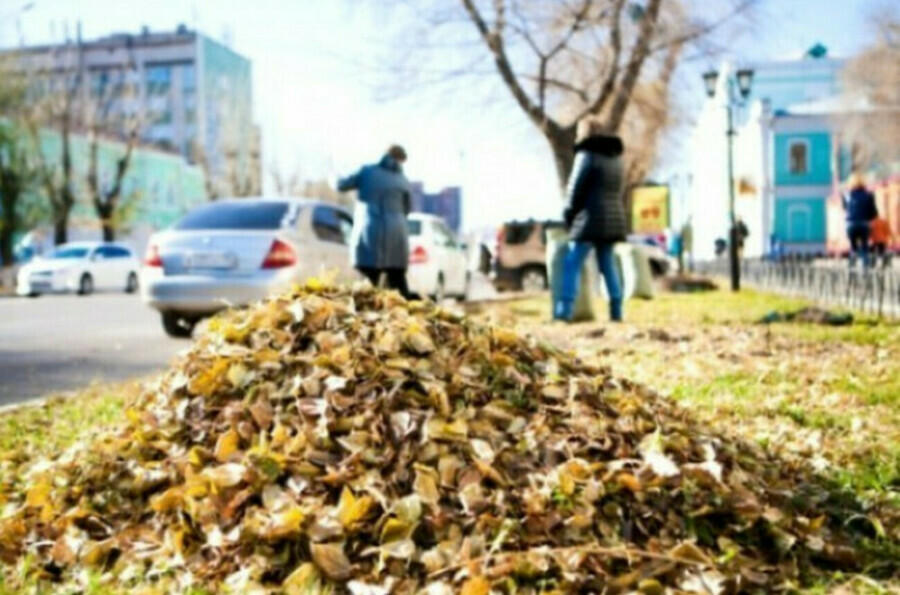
(33, 295)
(86, 285)
(533, 279)
(177, 325)
(439, 290)
(132, 284)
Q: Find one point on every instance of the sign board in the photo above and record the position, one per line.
(650, 209)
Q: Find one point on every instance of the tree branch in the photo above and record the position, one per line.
(609, 82)
(577, 21)
(558, 84)
(494, 41)
(635, 64)
(707, 28)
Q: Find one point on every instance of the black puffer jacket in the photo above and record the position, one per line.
(594, 209)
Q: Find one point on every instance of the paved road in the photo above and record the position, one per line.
(61, 343)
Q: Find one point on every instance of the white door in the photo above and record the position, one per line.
(103, 268)
(121, 262)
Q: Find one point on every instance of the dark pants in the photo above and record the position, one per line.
(858, 234)
(395, 279)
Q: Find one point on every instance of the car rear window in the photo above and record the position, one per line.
(415, 227)
(517, 233)
(240, 216)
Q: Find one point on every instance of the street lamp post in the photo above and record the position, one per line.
(737, 89)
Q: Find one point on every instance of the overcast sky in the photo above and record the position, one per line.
(320, 112)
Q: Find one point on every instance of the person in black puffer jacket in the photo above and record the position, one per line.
(594, 214)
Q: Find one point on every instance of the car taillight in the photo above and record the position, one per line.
(280, 255)
(419, 255)
(152, 258)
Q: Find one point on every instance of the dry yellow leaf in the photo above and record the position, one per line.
(477, 585)
(352, 509)
(38, 495)
(227, 445)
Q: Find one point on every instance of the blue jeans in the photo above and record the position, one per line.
(858, 234)
(571, 280)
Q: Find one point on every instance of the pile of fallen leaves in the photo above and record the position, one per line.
(346, 440)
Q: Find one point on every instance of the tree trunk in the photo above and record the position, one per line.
(61, 224)
(563, 146)
(105, 212)
(8, 197)
(6, 243)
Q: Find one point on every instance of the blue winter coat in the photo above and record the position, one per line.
(860, 206)
(380, 238)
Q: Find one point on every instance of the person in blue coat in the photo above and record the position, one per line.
(594, 215)
(860, 208)
(380, 238)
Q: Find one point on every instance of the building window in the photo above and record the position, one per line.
(798, 153)
(188, 78)
(159, 79)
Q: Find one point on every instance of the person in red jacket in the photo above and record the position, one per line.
(881, 237)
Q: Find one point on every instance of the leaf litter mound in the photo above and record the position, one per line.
(344, 440)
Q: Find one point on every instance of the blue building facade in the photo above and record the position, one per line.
(446, 204)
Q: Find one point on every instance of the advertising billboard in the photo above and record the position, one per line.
(650, 209)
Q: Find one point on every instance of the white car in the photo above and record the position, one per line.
(236, 251)
(82, 267)
(438, 263)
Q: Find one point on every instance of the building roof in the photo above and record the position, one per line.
(835, 104)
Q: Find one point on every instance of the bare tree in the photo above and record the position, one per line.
(111, 115)
(53, 97)
(17, 172)
(285, 185)
(562, 60)
(870, 121)
(200, 157)
(295, 185)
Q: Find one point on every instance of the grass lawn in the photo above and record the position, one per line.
(831, 394)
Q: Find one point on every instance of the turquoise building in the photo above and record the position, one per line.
(788, 158)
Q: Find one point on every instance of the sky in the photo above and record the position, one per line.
(319, 95)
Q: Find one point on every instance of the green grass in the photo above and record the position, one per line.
(774, 383)
(58, 422)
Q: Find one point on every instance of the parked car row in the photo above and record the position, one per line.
(233, 252)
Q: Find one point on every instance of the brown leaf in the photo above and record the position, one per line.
(331, 559)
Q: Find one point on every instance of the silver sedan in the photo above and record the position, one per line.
(236, 251)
